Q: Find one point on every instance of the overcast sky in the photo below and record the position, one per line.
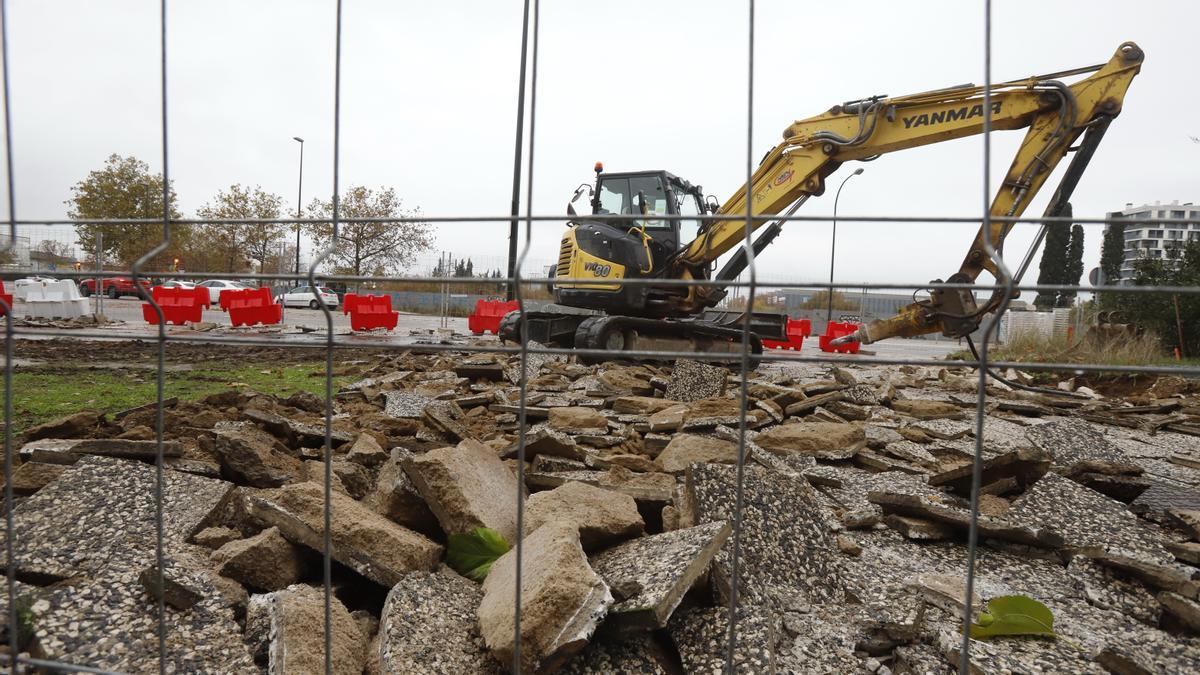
(429, 106)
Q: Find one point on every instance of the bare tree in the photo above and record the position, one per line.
(234, 243)
(370, 246)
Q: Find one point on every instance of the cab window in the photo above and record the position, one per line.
(688, 205)
(620, 195)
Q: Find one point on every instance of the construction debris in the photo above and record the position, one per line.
(843, 534)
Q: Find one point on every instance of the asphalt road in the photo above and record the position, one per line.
(126, 313)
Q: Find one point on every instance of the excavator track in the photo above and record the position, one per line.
(626, 333)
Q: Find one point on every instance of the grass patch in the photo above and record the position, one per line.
(45, 392)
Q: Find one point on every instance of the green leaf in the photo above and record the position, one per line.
(1014, 615)
(473, 553)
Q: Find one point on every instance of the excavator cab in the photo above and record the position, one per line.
(612, 249)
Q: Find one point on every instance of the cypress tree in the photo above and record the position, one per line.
(1053, 267)
(1074, 271)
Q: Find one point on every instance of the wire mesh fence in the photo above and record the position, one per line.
(434, 277)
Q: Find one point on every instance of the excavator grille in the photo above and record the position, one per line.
(564, 258)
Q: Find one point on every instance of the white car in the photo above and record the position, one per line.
(177, 283)
(302, 296)
(218, 286)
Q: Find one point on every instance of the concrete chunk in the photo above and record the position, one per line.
(265, 561)
(641, 405)
(578, 420)
(928, 410)
(33, 476)
(396, 498)
(562, 600)
(693, 380)
(823, 440)
(1024, 466)
(1077, 446)
(785, 547)
(428, 624)
(367, 451)
(250, 456)
(296, 617)
(69, 450)
(602, 516)
(368, 543)
(466, 487)
(650, 575)
(100, 513)
(702, 636)
(1085, 518)
(939, 509)
(687, 449)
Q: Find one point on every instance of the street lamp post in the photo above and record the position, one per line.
(299, 194)
(833, 245)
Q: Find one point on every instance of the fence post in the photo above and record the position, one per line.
(99, 269)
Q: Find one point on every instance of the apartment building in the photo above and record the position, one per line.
(1147, 236)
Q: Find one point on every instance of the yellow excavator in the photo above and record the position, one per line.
(594, 310)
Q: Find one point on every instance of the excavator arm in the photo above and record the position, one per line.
(1055, 116)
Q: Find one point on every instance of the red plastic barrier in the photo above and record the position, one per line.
(250, 306)
(837, 330)
(487, 315)
(178, 305)
(370, 311)
(797, 330)
(8, 300)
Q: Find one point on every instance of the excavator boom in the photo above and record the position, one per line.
(1056, 115)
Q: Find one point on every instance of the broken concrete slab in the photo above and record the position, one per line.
(109, 622)
(101, 513)
(786, 550)
(215, 537)
(928, 410)
(650, 575)
(182, 586)
(467, 486)
(428, 624)
(253, 457)
(601, 516)
(1187, 520)
(33, 476)
(706, 413)
(702, 637)
(1077, 446)
(576, 420)
(1024, 466)
(562, 600)
(367, 451)
(641, 405)
(69, 450)
(1084, 518)
(396, 498)
(407, 404)
(1186, 610)
(265, 561)
(1105, 589)
(687, 449)
(918, 529)
(939, 508)
(823, 440)
(693, 380)
(296, 620)
(363, 540)
(542, 440)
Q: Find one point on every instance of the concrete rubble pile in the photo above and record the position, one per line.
(845, 542)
